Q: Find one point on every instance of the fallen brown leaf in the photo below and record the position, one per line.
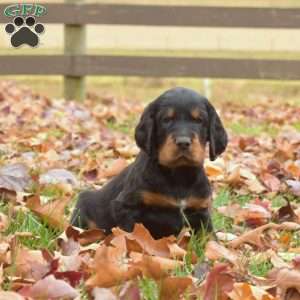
(117, 167)
(255, 236)
(103, 294)
(53, 212)
(248, 292)
(215, 251)
(146, 243)
(294, 185)
(212, 170)
(117, 270)
(171, 288)
(250, 213)
(218, 283)
(130, 291)
(55, 176)
(286, 213)
(50, 288)
(154, 266)
(30, 264)
(285, 279)
(10, 296)
(14, 177)
(270, 181)
(4, 222)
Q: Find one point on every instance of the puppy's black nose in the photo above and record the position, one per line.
(183, 142)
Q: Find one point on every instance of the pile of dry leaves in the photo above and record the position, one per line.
(63, 147)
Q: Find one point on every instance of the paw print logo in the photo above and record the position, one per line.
(24, 31)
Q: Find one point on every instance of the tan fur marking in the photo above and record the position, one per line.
(156, 199)
(159, 200)
(197, 151)
(170, 113)
(167, 152)
(196, 113)
(198, 203)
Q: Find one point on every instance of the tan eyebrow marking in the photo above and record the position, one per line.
(195, 113)
(170, 113)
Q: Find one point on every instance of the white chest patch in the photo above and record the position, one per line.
(183, 203)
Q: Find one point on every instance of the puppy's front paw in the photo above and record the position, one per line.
(125, 216)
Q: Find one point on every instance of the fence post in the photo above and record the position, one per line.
(74, 44)
(207, 82)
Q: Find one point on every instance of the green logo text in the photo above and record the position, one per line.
(25, 10)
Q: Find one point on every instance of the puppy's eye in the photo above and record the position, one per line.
(198, 120)
(167, 120)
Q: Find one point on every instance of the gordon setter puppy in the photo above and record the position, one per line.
(166, 187)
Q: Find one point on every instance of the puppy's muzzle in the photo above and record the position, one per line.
(183, 142)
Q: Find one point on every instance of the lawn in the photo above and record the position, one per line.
(51, 149)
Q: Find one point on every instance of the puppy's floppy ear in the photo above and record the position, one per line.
(217, 135)
(144, 132)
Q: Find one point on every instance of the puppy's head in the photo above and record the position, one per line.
(176, 127)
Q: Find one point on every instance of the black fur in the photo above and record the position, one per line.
(120, 201)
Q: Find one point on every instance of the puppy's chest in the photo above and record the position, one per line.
(154, 199)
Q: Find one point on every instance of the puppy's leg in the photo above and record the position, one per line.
(125, 212)
(80, 216)
(200, 219)
(93, 209)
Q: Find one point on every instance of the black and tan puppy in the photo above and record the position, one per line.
(166, 185)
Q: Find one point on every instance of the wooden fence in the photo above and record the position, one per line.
(74, 65)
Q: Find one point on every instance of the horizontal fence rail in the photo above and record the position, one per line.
(150, 66)
(74, 65)
(162, 15)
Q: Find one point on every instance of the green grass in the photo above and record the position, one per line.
(282, 198)
(42, 235)
(222, 198)
(295, 242)
(126, 127)
(51, 191)
(260, 268)
(245, 92)
(84, 294)
(297, 125)
(149, 289)
(220, 221)
(278, 201)
(57, 133)
(225, 197)
(197, 243)
(241, 199)
(253, 130)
